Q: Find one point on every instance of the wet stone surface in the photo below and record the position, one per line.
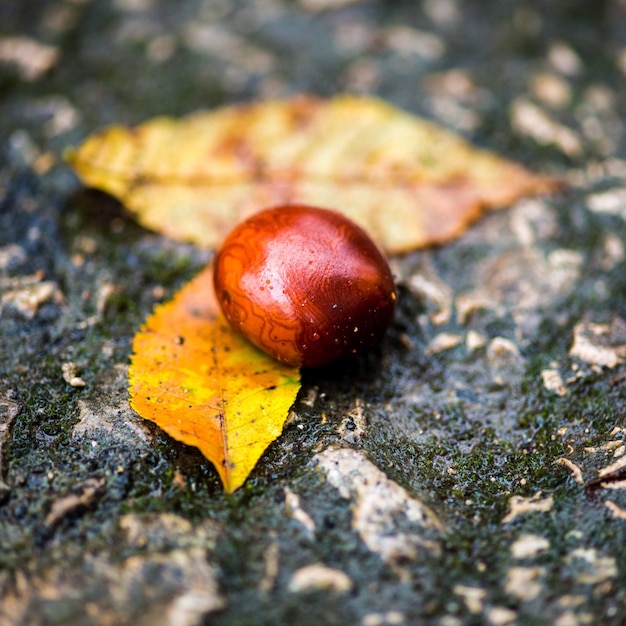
(471, 470)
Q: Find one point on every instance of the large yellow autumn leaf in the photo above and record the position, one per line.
(207, 386)
(407, 182)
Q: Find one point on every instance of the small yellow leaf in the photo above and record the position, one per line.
(208, 387)
(407, 182)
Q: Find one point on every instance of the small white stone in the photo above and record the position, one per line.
(70, 375)
(443, 341)
(524, 582)
(318, 576)
(552, 381)
(386, 517)
(292, 503)
(528, 546)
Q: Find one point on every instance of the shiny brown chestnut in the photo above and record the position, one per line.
(306, 285)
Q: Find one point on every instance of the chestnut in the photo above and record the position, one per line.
(306, 285)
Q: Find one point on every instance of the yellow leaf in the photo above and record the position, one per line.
(407, 182)
(208, 387)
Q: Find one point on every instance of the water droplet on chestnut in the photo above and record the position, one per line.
(319, 312)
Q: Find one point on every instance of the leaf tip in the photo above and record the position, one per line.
(69, 155)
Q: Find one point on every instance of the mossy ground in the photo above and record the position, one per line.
(437, 424)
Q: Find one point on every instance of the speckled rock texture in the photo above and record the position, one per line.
(472, 470)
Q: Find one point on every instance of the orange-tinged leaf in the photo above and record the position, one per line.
(206, 386)
(408, 182)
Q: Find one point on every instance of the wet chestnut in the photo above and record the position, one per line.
(306, 285)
